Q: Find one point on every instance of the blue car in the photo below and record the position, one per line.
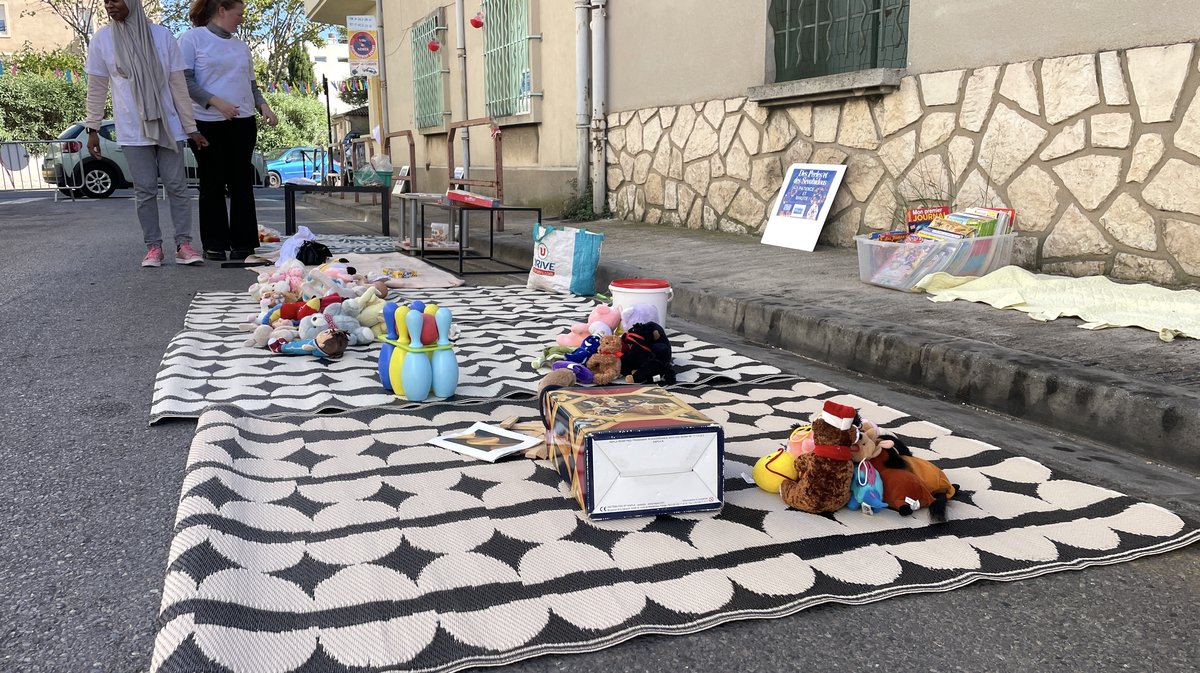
(300, 162)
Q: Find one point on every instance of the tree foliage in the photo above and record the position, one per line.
(45, 62)
(352, 97)
(83, 17)
(33, 107)
(301, 122)
(271, 28)
(299, 65)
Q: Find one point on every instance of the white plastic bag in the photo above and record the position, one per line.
(291, 247)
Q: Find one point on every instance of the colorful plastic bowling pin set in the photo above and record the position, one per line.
(417, 355)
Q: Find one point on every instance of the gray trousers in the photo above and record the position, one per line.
(148, 163)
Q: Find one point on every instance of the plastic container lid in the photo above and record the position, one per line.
(640, 284)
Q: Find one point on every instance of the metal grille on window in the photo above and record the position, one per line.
(826, 37)
(427, 73)
(507, 79)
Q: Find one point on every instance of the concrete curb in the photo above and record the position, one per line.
(1158, 421)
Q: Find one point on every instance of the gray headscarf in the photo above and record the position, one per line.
(138, 61)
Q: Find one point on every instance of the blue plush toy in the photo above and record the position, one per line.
(586, 350)
(866, 489)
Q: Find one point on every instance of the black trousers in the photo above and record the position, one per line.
(225, 167)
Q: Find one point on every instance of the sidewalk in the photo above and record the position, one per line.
(1120, 386)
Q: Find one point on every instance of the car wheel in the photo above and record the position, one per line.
(273, 179)
(99, 182)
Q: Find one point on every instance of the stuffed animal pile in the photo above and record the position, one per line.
(298, 306)
(844, 461)
(599, 351)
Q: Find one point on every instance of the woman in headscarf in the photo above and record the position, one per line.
(220, 77)
(141, 62)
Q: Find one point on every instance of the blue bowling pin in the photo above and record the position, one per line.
(416, 371)
(445, 363)
(385, 353)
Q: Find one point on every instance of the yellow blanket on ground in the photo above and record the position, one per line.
(1096, 299)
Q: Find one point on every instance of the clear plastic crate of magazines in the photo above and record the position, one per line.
(948, 243)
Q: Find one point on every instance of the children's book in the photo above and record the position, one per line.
(1005, 218)
(486, 442)
(945, 228)
(905, 263)
(982, 225)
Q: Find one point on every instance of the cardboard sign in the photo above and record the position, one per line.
(802, 205)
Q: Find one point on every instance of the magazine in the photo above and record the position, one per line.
(918, 218)
(486, 442)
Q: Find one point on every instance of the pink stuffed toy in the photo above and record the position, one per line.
(602, 321)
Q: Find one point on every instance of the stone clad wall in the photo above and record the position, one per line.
(1099, 154)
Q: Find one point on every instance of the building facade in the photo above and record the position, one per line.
(1079, 115)
(331, 61)
(31, 23)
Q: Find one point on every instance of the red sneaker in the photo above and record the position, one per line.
(186, 254)
(154, 256)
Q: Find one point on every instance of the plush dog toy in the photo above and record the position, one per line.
(606, 363)
(646, 355)
(822, 482)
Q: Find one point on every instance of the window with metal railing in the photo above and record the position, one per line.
(428, 72)
(507, 76)
(826, 37)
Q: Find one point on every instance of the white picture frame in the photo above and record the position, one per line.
(802, 205)
(486, 442)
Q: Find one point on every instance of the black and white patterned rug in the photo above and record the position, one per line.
(207, 364)
(224, 311)
(346, 543)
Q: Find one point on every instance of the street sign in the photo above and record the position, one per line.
(363, 45)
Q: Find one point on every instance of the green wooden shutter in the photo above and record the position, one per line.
(826, 37)
(427, 73)
(507, 77)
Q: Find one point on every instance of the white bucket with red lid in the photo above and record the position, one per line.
(626, 292)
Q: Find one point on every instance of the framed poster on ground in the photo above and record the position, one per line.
(802, 205)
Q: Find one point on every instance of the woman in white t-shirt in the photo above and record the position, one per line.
(140, 62)
(220, 77)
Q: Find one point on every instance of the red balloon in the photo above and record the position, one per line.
(477, 21)
(434, 45)
(429, 330)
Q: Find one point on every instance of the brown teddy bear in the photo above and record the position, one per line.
(822, 482)
(606, 363)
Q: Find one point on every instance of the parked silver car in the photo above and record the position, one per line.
(74, 168)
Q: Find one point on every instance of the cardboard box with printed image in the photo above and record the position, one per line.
(634, 451)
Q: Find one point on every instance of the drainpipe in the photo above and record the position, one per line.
(583, 68)
(599, 104)
(460, 33)
(383, 88)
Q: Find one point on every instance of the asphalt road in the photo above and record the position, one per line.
(90, 492)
